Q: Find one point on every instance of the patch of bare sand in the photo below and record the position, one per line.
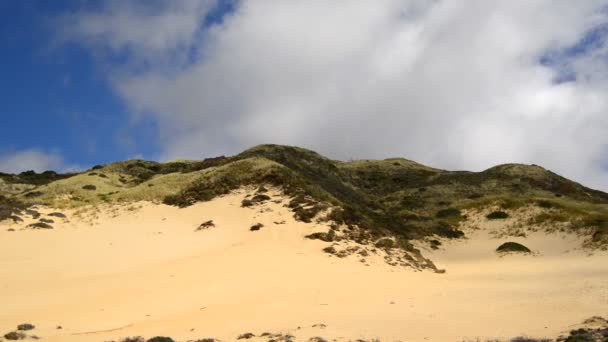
(144, 270)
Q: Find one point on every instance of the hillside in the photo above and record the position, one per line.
(394, 197)
(279, 243)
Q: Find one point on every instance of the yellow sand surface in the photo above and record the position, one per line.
(143, 269)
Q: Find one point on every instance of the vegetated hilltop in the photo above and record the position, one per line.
(395, 197)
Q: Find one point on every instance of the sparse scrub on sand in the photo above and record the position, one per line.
(529, 339)
(393, 197)
(513, 247)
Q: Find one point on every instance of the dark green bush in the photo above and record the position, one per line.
(25, 326)
(15, 335)
(449, 212)
(497, 215)
(245, 336)
(445, 230)
(327, 237)
(40, 225)
(57, 214)
(256, 226)
(547, 204)
(385, 243)
(160, 339)
(89, 187)
(330, 250)
(513, 247)
(133, 339)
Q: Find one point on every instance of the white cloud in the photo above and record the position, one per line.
(454, 84)
(36, 160)
(145, 31)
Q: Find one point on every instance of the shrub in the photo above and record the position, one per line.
(258, 198)
(330, 250)
(245, 336)
(529, 339)
(89, 187)
(25, 326)
(16, 219)
(133, 339)
(256, 226)
(385, 243)
(447, 212)
(246, 203)
(32, 194)
(15, 335)
(547, 204)
(261, 189)
(57, 214)
(497, 215)
(205, 225)
(97, 167)
(160, 339)
(33, 213)
(445, 230)
(513, 247)
(40, 225)
(44, 220)
(306, 215)
(298, 201)
(327, 237)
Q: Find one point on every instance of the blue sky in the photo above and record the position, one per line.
(457, 85)
(54, 98)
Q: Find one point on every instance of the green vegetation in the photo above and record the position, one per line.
(15, 335)
(327, 237)
(513, 247)
(25, 326)
(449, 212)
(392, 197)
(40, 225)
(160, 339)
(245, 336)
(497, 215)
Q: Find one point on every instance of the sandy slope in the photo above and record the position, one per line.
(143, 270)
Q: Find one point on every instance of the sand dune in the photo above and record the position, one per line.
(143, 270)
